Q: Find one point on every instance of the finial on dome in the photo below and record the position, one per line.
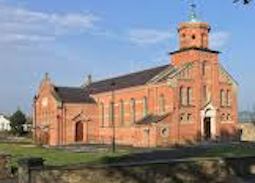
(193, 16)
(46, 76)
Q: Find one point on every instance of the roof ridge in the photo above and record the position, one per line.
(69, 87)
(128, 74)
(82, 93)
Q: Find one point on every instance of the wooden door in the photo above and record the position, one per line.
(79, 132)
(207, 128)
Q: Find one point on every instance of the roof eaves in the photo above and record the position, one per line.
(55, 94)
(194, 48)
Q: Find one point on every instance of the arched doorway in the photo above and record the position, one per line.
(207, 128)
(79, 132)
(208, 123)
(44, 138)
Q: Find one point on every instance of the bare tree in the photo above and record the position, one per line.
(244, 1)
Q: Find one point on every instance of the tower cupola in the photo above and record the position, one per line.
(194, 33)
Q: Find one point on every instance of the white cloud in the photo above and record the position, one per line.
(20, 25)
(219, 39)
(144, 36)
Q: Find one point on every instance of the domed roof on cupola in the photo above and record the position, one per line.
(193, 15)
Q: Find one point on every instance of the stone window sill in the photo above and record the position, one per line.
(226, 122)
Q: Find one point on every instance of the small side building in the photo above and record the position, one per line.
(5, 124)
(247, 132)
(246, 126)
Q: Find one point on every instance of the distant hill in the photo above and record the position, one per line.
(246, 117)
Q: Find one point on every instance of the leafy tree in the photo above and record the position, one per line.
(18, 119)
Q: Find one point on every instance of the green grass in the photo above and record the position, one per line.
(56, 157)
(229, 152)
(61, 157)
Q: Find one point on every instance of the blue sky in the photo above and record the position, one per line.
(73, 38)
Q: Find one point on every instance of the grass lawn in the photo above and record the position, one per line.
(55, 157)
(229, 152)
(61, 157)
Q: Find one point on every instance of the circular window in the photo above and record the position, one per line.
(164, 132)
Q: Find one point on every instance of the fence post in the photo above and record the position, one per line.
(24, 167)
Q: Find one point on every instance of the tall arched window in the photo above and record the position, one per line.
(145, 107)
(222, 97)
(121, 112)
(182, 96)
(102, 114)
(205, 94)
(204, 65)
(132, 110)
(189, 96)
(162, 105)
(228, 98)
(111, 114)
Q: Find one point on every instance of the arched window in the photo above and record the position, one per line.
(102, 114)
(222, 97)
(204, 68)
(121, 112)
(111, 114)
(205, 94)
(162, 105)
(145, 107)
(189, 117)
(222, 117)
(182, 115)
(132, 110)
(182, 96)
(228, 117)
(228, 98)
(189, 96)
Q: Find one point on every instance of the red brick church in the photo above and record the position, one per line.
(191, 98)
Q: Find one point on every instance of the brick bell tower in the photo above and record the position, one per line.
(193, 35)
(196, 58)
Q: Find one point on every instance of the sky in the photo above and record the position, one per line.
(70, 39)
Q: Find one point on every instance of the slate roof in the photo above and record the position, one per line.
(73, 95)
(152, 118)
(82, 94)
(126, 81)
